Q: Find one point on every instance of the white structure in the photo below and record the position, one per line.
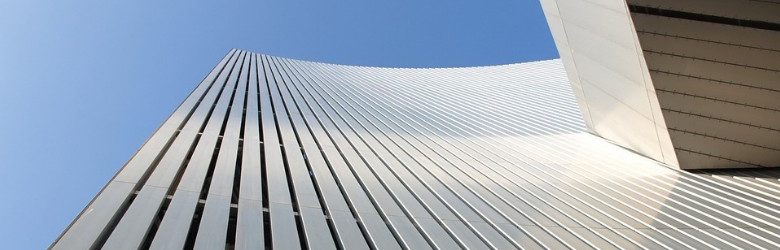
(273, 152)
(693, 83)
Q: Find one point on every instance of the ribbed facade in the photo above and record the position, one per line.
(716, 70)
(287, 154)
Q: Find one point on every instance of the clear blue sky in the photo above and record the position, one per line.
(82, 85)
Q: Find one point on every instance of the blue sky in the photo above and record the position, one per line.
(83, 84)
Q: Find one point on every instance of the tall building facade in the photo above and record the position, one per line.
(268, 152)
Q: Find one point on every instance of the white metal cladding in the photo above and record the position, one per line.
(693, 83)
(600, 49)
(273, 152)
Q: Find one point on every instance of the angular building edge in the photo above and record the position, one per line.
(692, 84)
(602, 57)
(85, 231)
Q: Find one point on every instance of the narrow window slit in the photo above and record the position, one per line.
(114, 221)
(147, 242)
(237, 175)
(231, 230)
(263, 166)
(210, 173)
(193, 231)
(267, 229)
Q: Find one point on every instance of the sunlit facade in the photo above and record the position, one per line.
(597, 149)
(273, 152)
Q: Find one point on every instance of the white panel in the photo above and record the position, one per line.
(90, 224)
(598, 45)
(169, 234)
(212, 232)
(249, 225)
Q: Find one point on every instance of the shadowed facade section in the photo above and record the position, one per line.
(693, 84)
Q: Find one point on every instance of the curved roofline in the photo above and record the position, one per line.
(382, 67)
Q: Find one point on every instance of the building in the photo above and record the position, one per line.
(275, 152)
(693, 83)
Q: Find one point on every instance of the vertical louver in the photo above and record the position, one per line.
(273, 152)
